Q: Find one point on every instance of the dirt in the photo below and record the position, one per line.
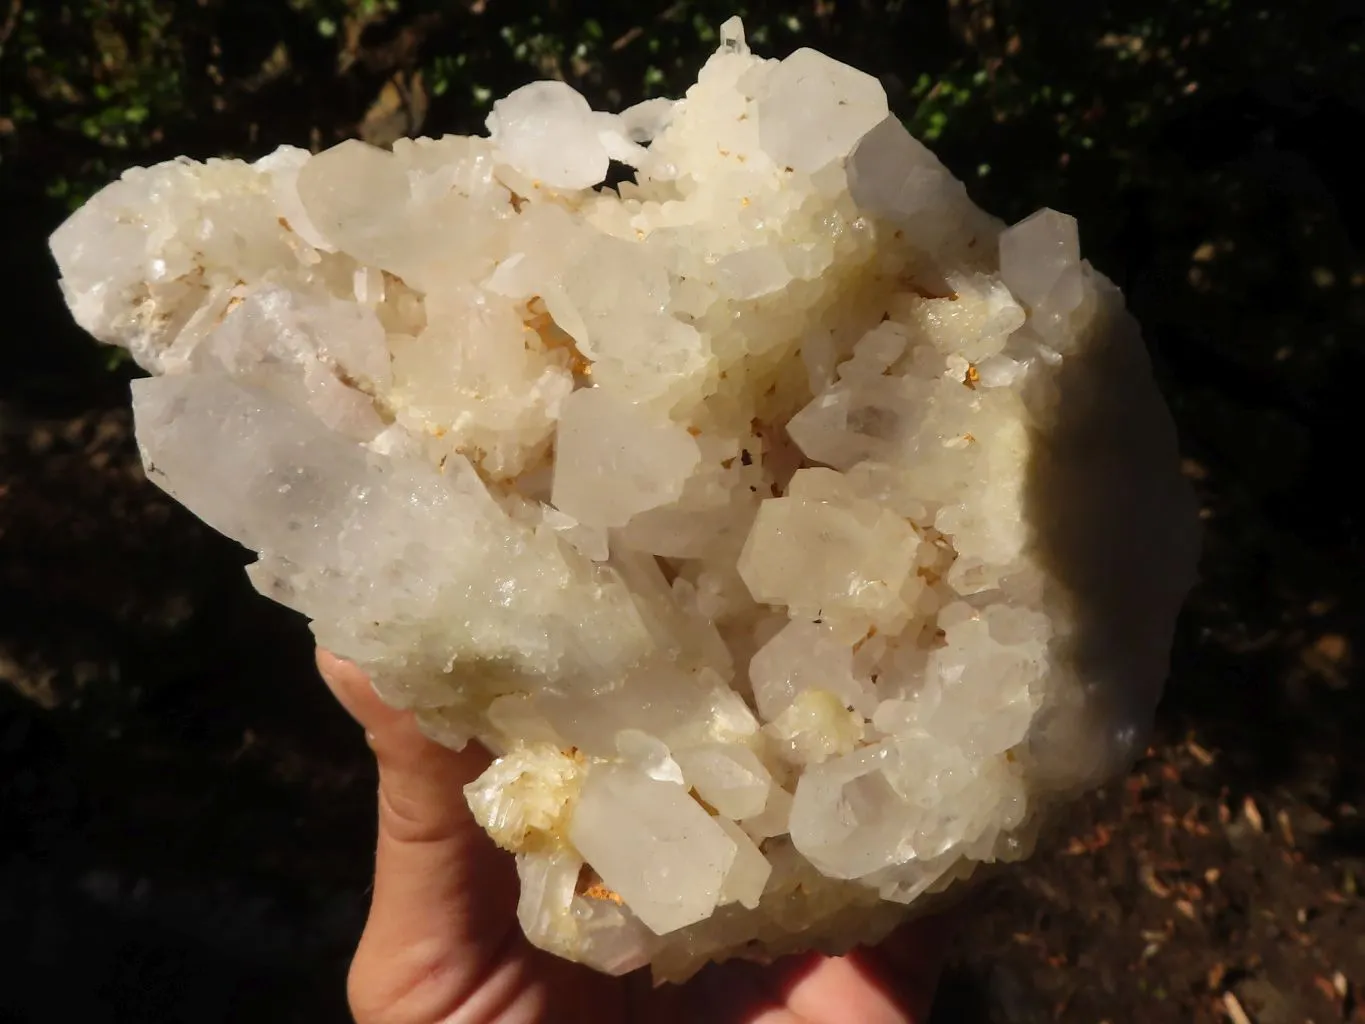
(186, 815)
(1166, 896)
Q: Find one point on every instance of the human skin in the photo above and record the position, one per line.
(442, 944)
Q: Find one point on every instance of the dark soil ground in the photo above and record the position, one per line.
(185, 817)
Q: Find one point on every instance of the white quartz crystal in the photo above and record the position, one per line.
(794, 533)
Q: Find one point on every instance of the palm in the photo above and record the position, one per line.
(442, 944)
(810, 990)
(527, 985)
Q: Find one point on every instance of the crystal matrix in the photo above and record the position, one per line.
(794, 532)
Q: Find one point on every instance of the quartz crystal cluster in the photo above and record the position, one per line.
(794, 533)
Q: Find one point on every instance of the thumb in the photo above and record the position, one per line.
(420, 782)
(444, 898)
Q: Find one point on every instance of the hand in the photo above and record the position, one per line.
(442, 944)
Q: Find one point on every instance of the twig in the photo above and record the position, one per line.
(10, 24)
(669, 13)
(1234, 1008)
(1201, 754)
(626, 38)
(1286, 827)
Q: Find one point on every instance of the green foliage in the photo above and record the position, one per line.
(122, 75)
(112, 72)
(1071, 103)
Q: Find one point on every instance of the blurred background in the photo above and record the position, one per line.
(185, 820)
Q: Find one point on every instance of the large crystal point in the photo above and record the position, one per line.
(794, 533)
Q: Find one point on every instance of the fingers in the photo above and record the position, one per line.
(443, 909)
(444, 897)
(421, 782)
(352, 689)
(891, 984)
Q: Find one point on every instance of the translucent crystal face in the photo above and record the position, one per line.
(793, 532)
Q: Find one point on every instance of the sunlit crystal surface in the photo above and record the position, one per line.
(793, 532)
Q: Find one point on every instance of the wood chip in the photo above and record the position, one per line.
(1151, 883)
(1191, 823)
(1286, 828)
(1253, 814)
(1334, 647)
(1340, 985)
(1193, 470)
(1216, 975)
(1201, 754)
(1233, 1006)
(1079, 845)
